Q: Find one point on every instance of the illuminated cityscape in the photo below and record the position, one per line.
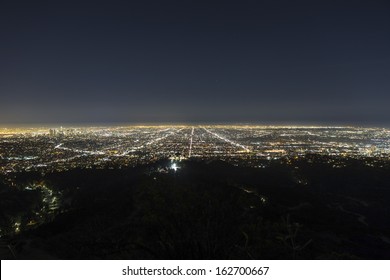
(59, 149)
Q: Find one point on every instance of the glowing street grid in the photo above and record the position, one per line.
(58, 149)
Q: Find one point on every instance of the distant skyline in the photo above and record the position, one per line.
(259, 62)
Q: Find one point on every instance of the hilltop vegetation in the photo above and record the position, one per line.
(306, 209)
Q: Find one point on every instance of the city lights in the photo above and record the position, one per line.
(59, 149)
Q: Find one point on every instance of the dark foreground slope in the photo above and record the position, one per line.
(316, 208)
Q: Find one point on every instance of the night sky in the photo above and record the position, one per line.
(265, 62)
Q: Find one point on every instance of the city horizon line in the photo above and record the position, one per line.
(154, 124)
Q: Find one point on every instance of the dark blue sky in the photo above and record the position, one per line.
(325, 62)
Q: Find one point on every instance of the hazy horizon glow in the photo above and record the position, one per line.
(151, 125)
